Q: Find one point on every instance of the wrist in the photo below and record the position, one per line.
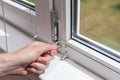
(9, 64)
(5, 63)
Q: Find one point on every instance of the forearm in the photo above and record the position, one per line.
(6, 64)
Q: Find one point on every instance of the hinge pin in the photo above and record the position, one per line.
(35, 37)
(64, 56)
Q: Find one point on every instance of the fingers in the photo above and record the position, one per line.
(46, 57)
(20, 71)
(46, 48)
(37, 43)
(37, 67)
(45, 60)
(42, 63)
(45, 52)
(53, 52)
(42, 47)
(33, 70)
(35, 57)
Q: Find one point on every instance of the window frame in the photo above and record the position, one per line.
(30, 6)
(20, 16)
(89, 42)
(87, 56)
(23, 16)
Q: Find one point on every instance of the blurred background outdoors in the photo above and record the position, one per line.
(100, 21)
(33, 1)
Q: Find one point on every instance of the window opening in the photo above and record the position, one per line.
(91, 24)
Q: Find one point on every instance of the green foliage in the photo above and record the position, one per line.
(84, 0)
(100, 21)
(33, 1)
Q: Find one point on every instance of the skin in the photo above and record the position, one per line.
(33, 58)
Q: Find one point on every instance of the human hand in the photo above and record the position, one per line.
(33, 58)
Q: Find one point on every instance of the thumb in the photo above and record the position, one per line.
(46, 48)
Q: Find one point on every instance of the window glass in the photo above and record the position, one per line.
(27, 3)
(100, 21)
(96, 25)
(32, 1)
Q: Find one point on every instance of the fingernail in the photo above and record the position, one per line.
(24, 72)
(54, 46)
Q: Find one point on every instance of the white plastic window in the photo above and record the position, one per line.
(79, 51)
(91, 31)
(41, 26)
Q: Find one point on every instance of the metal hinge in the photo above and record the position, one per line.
(54, 26)
(64, 55)
(55, 30)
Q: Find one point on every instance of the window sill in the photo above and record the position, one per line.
(62, 70)
(111, 64)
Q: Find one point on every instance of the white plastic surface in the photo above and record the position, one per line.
(61, 70)
(2, 33)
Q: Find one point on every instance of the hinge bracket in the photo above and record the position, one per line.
(55, 30)
(54, 24)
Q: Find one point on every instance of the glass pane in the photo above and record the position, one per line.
(32, 1)
(100, 21)
(27, 3)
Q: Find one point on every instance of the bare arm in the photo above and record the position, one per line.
(34, 58)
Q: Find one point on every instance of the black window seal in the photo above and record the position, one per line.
(86, 42)
(30, 6)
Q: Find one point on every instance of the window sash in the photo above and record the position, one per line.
(85, 41)
(19, 16)
(30, 6)
(40, 18)
(75, 50)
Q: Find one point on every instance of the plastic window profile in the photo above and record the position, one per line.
(87, 42)
(30, 6)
